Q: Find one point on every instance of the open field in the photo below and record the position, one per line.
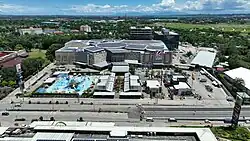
(245, 28)
(37, 53)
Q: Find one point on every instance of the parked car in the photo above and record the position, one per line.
(230, 99)
(207, 121)
(209, 88)
(18, 105)
(5, 113)
(20, 119)
(172, 120)
(203, 80)
(227, 120)
(149, 119)
(215, 84)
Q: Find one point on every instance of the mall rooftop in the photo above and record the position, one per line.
(98, 45)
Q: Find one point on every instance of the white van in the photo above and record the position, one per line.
(215, 84)
(172, 120)
(149, 119)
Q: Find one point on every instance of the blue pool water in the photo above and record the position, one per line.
(61, 85)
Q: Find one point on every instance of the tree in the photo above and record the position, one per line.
(152, 73)
(18, 47)
(52, 119)
(189, 54)
(147, 73)
(12, 83)
(237, 84)
(50, 54)
(132, 70)
(32, 65)
(4, 83)
(41, 118)
(234, 61)
(239, 81)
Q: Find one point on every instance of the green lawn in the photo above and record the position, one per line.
(244, 28)
(238, 134)
(37, 53)
(34, 53)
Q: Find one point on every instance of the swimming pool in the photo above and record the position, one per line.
(69, 84)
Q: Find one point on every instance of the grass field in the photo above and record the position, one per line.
(244, 28)
(238, 134)
(37, 53)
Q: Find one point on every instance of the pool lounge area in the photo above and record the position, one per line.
(69, 84)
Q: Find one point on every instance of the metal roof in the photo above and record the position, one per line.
(2, 130)
(240, 73)
(117, 69)
(204, 59)
(126, 86)
(50, 80)
(101, 64)
(118, 50)
(136, 77)
(104, 77)
(134, 83)
(120, 64)
(182, 85)
(116, 133)
(130, 94)
(94, 49)
(109, 86)
(53, 136)
(111, 45)
(153, 84)
(136, 46)
(204, 134)
(104, 93)
(15, 139)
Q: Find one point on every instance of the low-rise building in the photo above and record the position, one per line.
(85, 28)
(131, 83)
(153, 86)
(31, 31)
(106, 83)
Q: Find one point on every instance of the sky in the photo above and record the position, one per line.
(114, 7)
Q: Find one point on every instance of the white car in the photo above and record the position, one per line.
(207, 121)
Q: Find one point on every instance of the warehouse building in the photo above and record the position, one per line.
(104, 131)
(131, 83)
(101, 53)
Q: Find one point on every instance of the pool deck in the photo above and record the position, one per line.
(61, 85)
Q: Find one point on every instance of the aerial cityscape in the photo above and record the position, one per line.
(156, 70)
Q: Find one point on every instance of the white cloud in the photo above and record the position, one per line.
(190, 6)
(17, 9)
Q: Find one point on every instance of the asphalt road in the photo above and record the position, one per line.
(194, 115)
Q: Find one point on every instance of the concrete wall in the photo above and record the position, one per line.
(65, 57)
(100, 57)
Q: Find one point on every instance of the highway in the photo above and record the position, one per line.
(213, 115)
